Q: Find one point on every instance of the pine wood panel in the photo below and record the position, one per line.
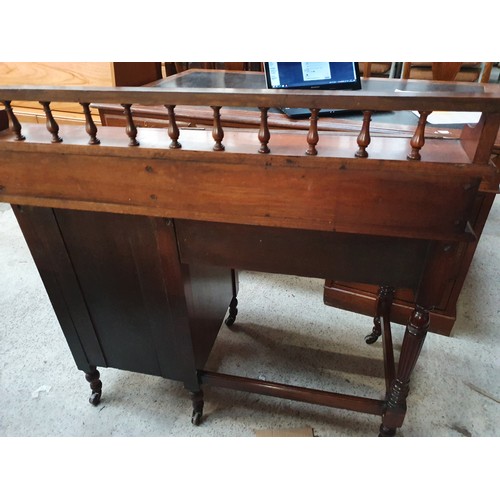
(55, 73)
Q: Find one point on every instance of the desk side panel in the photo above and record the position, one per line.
(43, 236)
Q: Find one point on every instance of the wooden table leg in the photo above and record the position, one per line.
(92, 377)
(413, 340)
(233, 306)
(384, 302)
(198, 403)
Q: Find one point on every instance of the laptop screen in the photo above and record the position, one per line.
(312, 75)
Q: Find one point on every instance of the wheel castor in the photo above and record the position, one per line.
(196, 418)
(230, 320)
(95, 398)
(371, 338)
(386, 431)
(376, 331)
(197, 400)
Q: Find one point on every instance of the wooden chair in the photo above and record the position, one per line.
(377, 69)
(448, 71)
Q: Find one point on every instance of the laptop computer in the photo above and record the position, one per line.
(312, 75)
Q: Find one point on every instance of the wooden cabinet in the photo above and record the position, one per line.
(100, 74)
(122, 296)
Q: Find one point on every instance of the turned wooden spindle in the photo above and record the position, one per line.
(217, 132)
(15, 126)
(264, 134)
(131, 129)
(173, 129)
(364, 136)
(418, 139)
(52, 125)
(312, 136)
(90, 126)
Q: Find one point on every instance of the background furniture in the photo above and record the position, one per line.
(172, 68)
(313, 205)
(377, 69)
(444, 71)
(99, 74)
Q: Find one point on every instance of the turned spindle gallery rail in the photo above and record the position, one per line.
(137, 232)
(244, 98)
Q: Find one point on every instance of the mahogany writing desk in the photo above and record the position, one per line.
(135, 231)
(355, 297)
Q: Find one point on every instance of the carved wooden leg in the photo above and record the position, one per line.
(376, 331)
(233, 305)
(233, 311)
(197, 400)
(95, 385)
(413, 340)
(384, 300)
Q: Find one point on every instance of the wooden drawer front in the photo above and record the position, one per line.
(371, 259)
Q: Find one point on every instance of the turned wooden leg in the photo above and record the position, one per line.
(197, 400)
(233, 305)
(233, 311)
(413, 340)
(92, 378)
(384, 302)
(376, 331)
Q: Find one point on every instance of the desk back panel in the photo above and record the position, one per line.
(390, 198)
(397, 262)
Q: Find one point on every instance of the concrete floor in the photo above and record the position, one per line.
(283, 333)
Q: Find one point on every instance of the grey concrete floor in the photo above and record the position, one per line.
(284, 333)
